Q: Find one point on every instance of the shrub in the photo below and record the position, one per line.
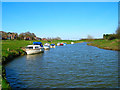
(112, 36)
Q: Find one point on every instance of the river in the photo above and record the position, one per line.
(71, 66)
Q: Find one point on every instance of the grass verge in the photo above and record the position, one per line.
(106, 44)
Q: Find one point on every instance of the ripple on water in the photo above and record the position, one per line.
(71, 66)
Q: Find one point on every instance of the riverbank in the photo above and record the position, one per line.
(14, 48)
(5, 84)
(65, 63)
(106, 44)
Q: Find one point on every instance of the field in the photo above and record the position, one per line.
(106, 44)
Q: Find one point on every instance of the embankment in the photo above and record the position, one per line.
(14, 48)
(106, 44)
(5, 60)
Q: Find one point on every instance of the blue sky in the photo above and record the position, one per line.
(68, 20)
(60, 0)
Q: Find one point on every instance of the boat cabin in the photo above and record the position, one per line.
(33, 47)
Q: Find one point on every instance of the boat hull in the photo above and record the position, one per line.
(61, 44)
(52, 46)
(46, 48)
(34, 51)
(72, 42)
(58, 44)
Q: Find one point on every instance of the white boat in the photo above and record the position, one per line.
(52, 46)
(33, 49)
(72, 42)
(58, 44)
(36, 48)
(46, 46)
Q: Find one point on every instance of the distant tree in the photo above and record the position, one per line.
(4, 35)
(16, 35)
(118, 32)
(21, 36)
(106, 36)
(112, 36)
(89, 37)
(57, 38)
(33, 35)
(27, 35)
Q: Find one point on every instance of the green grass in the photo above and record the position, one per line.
(5, 84)
(106, 44)
(14, 45)
(12, 48)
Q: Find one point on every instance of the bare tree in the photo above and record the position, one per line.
(89, 37)
(118, 32)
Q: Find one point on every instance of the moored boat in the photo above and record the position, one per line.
(58, 44)
(72, 42)
(46, 46)
(64, 44)
(36, 48)
(52, 46)
(61, 44)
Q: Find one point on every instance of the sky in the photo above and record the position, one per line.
(60, 0)
(68, 20)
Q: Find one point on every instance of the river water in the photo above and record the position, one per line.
(71, 66)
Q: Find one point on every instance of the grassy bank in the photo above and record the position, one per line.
(5, 84)
(106, 44)
(13, 48)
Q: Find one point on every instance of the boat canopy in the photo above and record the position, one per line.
(37, 43)
(52, 44)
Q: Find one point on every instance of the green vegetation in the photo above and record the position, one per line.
(115, 35)
(106, 44)
(5, 84)
(13, 48)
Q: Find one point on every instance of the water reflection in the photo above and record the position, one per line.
(33, 57)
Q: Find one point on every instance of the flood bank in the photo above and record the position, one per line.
(12, 55)
(106, 44)
(5, 83)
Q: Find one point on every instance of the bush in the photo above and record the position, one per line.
(112, 36)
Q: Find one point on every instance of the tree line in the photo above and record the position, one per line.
(24, 36)
(115, 35)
